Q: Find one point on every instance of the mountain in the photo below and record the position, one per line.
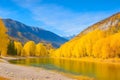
(21, 32)
(69, 37)
(98, 40)
(108, 24)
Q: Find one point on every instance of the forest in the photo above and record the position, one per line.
(10, 47)
(96, 44)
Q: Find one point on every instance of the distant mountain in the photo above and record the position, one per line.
(69, 37)
(21, 32)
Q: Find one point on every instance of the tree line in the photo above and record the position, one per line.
(15, 48)
(96, 44)
(29, 49)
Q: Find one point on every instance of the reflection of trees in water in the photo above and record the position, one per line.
(100, 71)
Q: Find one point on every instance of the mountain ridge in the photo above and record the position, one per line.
(23, 33)
(101, 25)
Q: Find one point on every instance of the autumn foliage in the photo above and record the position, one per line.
(41, 50)
(95, 44)
(3, 39)
(15, 48)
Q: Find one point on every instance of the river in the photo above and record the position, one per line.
(99, 71)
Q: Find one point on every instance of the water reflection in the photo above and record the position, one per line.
(97, 70)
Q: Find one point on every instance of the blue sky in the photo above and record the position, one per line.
(63, 17)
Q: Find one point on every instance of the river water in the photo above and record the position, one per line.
(99, 71)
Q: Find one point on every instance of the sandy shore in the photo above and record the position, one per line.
(17, 72)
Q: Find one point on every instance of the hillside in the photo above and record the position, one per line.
(98, 40)
(110, 24)
(21, 32)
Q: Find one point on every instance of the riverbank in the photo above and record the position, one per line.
(115, 61)
(15, 72)
(46, 75)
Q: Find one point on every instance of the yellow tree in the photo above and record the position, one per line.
(105, 49)
(3, 39)
(41, 50)
(51, 51)
(56, 53)
(74, 49)
(18, 47)
(115, 45)
(96, 44)
(79, 48)
(97, 48)
(29, 49)
(91, 38)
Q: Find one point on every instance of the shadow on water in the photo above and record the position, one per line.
(97, 70)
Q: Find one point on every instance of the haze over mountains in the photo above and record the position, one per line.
(21, 32)
(69, 37)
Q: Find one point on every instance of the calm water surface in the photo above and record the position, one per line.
(99, 71)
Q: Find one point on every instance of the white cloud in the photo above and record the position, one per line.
(66, 21)
(60, 18)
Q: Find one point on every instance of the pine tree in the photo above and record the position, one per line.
(11, 48)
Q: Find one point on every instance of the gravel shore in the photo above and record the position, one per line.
(17, 72)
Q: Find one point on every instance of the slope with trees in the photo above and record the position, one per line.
(3, 39)
(101, 40)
